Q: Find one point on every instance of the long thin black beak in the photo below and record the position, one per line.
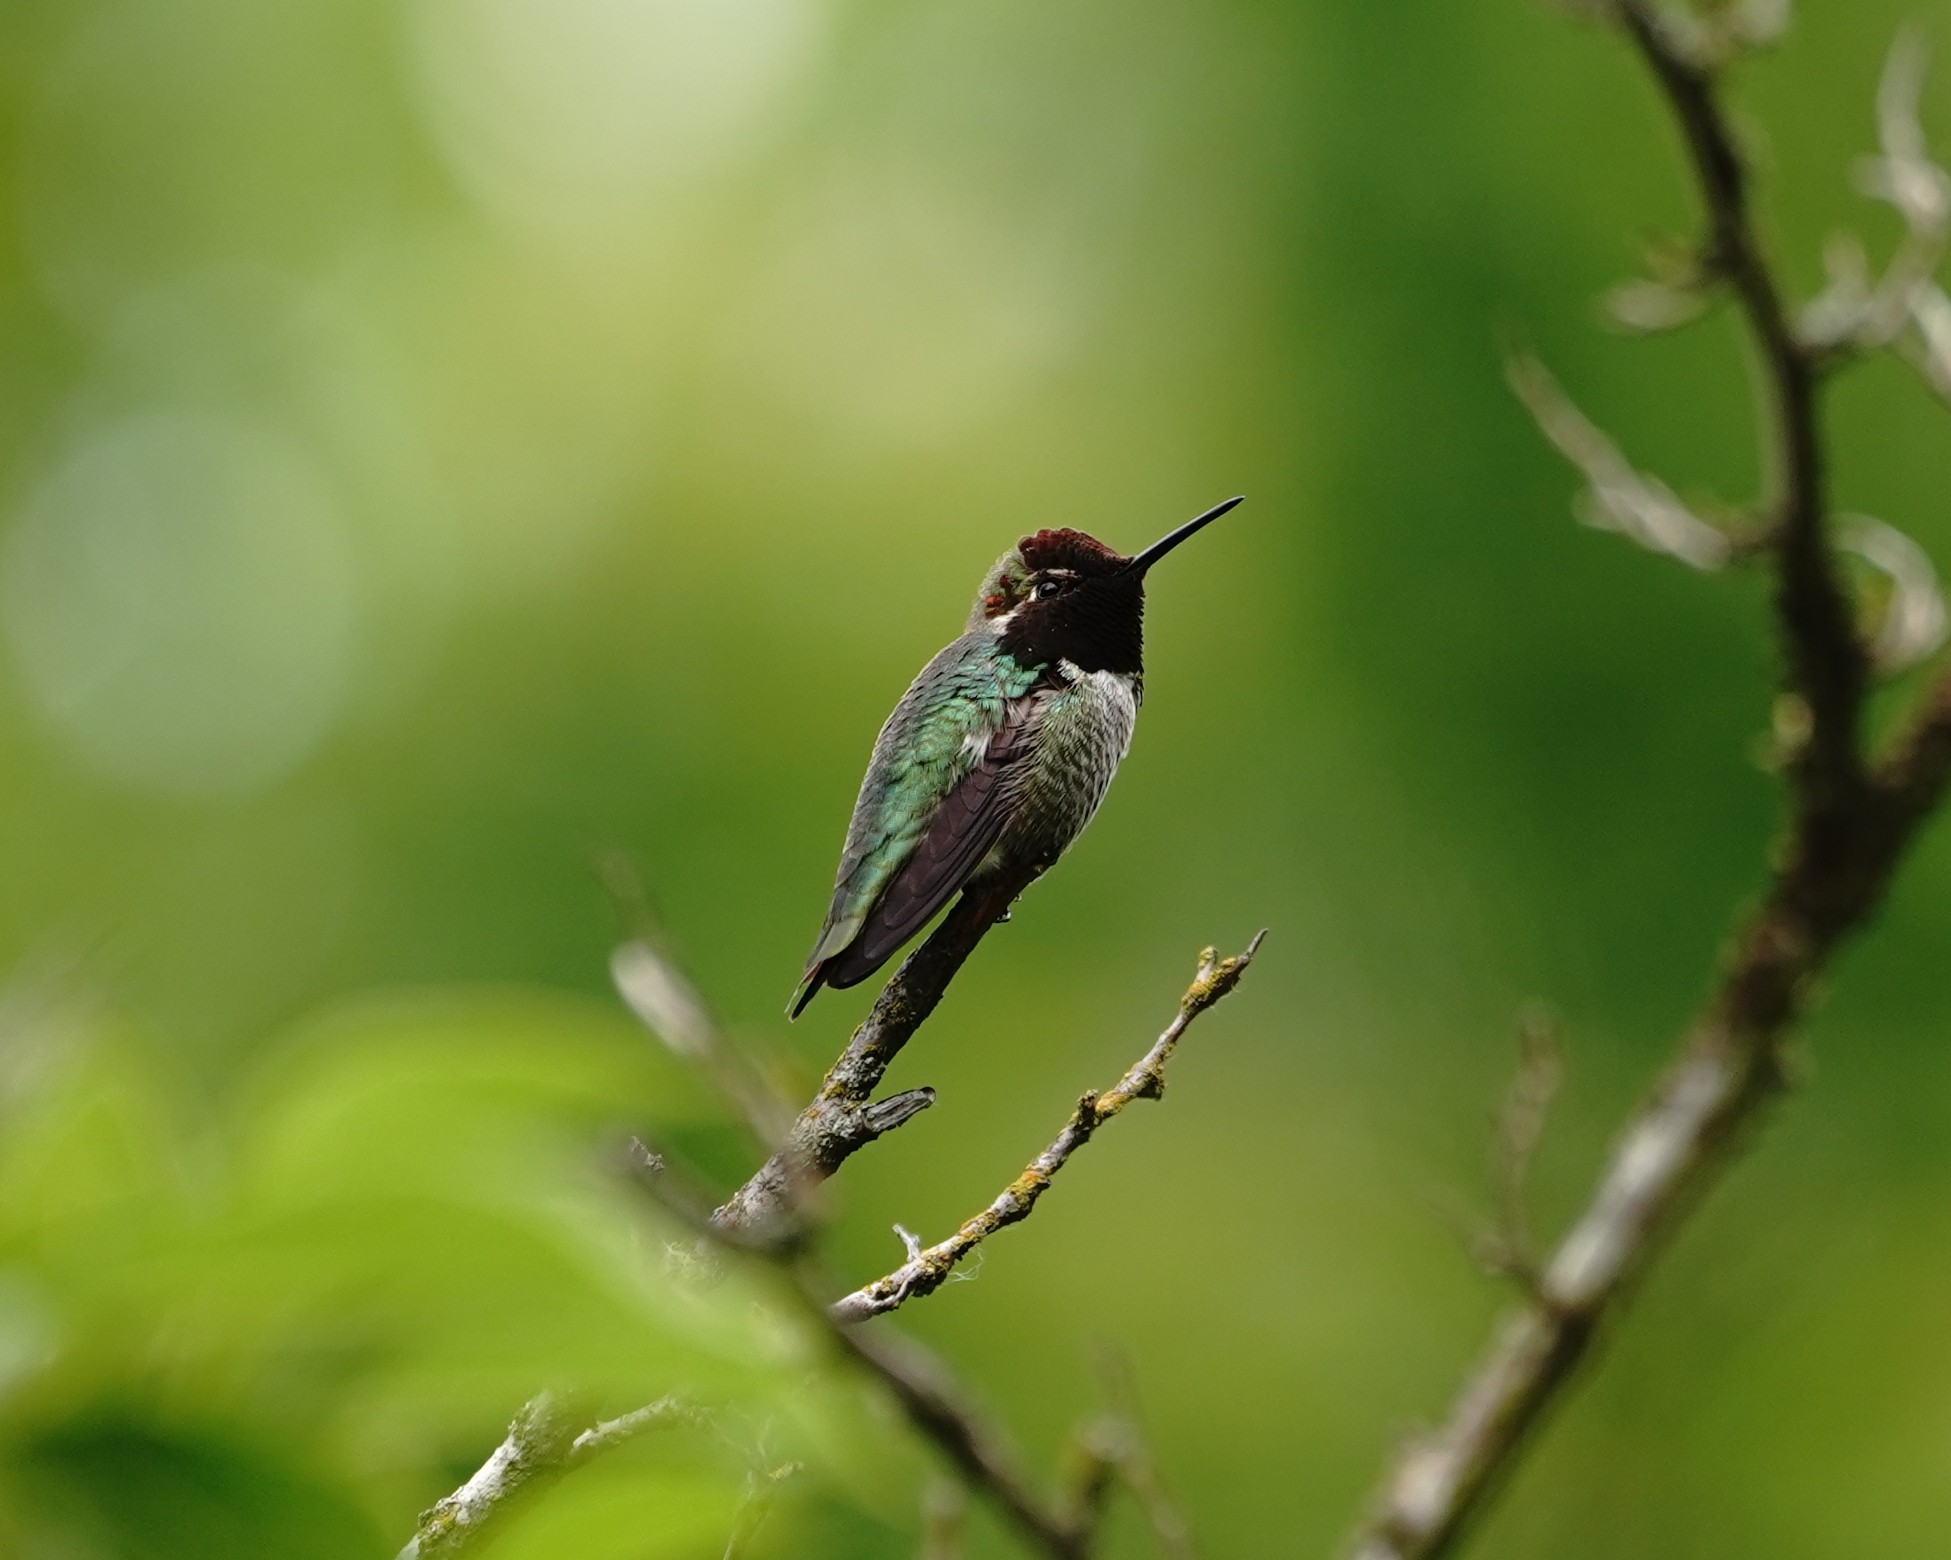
(1165, 544)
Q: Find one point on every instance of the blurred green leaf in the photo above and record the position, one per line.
(285, 1337)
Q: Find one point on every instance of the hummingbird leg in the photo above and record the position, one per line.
(1036, 872)
(1018, 895)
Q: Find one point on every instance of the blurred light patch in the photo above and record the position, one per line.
(571, 117)
(27, 1331)
(905, 314)
(179, 596)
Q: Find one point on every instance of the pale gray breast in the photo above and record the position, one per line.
(1084, 732)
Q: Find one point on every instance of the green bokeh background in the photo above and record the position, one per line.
(441, 442)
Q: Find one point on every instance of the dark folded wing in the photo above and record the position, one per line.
(962, 831)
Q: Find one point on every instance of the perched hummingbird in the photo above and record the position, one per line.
(1000, 751)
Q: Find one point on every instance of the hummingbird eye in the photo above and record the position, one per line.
(1046, 589)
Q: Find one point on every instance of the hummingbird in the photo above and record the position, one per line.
(1001, 749)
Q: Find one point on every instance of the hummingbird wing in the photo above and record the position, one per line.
(959, 834)
(942, 777)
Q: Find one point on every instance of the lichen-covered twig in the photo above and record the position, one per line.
(542, 1444)
(767, 1215)
(1851, 817)
(939, 1409)
(843, 1116)
(926, 1271)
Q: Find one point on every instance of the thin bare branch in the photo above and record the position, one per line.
(761, 1495)
(938, 1407)
(655, 988)
(541, 1446)
(1913, 623)
(1618, 496)
(607, 1434)
(1090, 1470)
(1508, 1247)
(925, 1271)
(1670, 1153)
(1137, 1466)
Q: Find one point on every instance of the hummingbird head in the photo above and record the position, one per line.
(1060, 595)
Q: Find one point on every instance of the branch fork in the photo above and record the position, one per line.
(771, 1216)
(541, 1446)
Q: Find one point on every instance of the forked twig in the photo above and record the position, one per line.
(771, 1205)
(541, 1446)
(926, 1271)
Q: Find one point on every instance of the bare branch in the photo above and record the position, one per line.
(1827, 666)
(841, 1120)
(607, 1434)
(534, 1453)
(925, 1271)
(1670, 1153)
(541, 1446)
(1849, 825)
(922, 1385)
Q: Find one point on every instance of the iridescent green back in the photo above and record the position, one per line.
(930, 742)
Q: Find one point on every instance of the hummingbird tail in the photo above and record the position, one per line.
(803, 993)
(849, 967)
